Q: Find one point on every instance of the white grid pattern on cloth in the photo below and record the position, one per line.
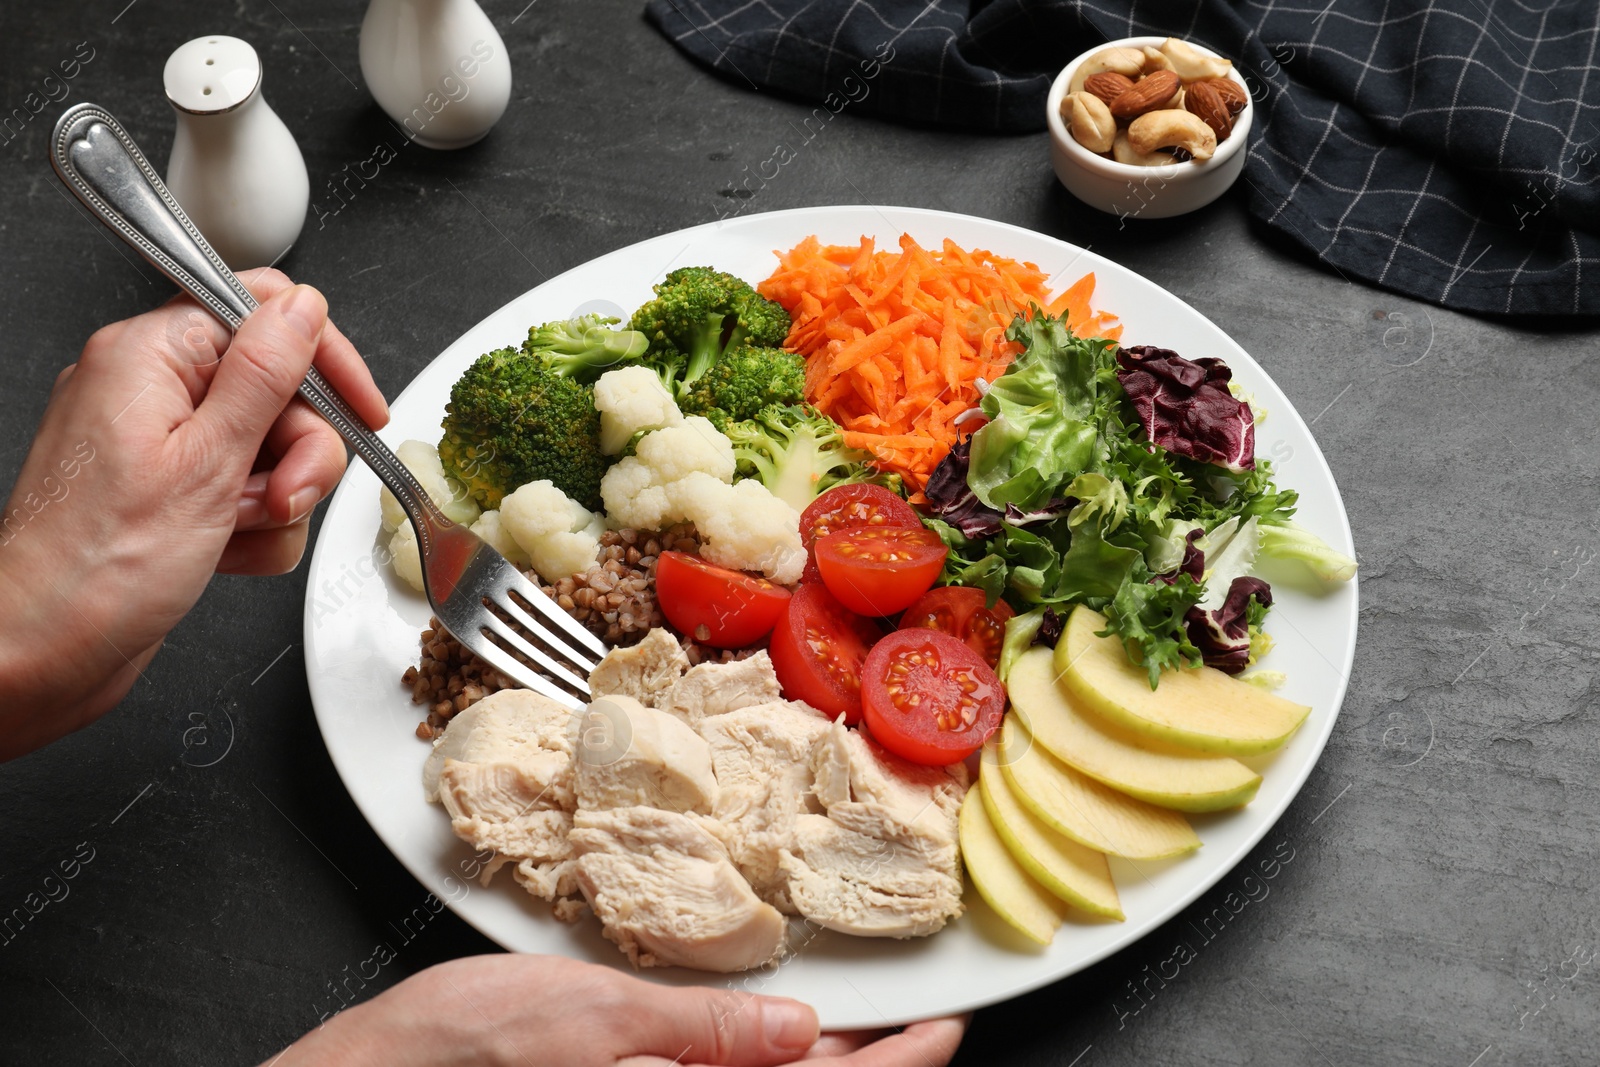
(1447, 149)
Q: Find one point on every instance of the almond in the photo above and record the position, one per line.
(1204, 101)
(1107, 85)
(1148, 93)
(1231, 92)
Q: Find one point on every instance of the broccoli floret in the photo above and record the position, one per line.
(699, 314)
(798, 452)
(512, 420)
(743, 382)
(585, 347)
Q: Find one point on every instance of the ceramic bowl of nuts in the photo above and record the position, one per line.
(1148, 127)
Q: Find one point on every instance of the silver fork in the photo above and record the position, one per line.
(473, 589)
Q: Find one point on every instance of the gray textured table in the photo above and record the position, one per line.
(1440, 903)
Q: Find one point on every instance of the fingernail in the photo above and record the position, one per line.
(306, 311)
(255, 486)
(789, 1024)
(301, 502)
(252, 513)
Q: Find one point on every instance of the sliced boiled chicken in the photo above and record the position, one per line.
(666, 893)
(689, 806)
(645, 671)
(503, 771)
(851, 769)
(867, 886)
(762, 759)
(717, 688)
(883, 861)
(495, 807)
(628, 755)
(511, 726)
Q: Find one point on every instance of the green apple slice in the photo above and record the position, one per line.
(1144, 769)
(1092, 814)
(1203, 709)
(1078, 875)
(1010, 891)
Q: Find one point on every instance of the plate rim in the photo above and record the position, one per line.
(1148, 924)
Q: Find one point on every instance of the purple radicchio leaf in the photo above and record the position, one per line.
(1223, 634)
(951, 499)
(1194, 560)
(1185, 407)
(1050, 627)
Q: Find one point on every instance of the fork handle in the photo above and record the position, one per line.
(105, 169)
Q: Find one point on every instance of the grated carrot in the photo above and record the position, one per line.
(895, 341)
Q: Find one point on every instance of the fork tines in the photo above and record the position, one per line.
(517, 642)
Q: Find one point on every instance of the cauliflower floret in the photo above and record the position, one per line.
(539, 508)
(406, 557)
(560, 535)
(743, 526)
(629, 400)
(488, 527)
(633, 498)
(696, 445)
(561, 555)
(686, 472)
(634, 489)
(422, 460)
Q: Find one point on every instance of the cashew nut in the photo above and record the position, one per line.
(1191, 64)
(1123, 152)
(1155, 59)
(1128, 62)
(1090, 121)
(1171, 128)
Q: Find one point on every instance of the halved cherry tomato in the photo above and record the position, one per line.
(879, 570)
(735, 609)
(846, 506)
(817, 651)
(928, 697)
(959, 611)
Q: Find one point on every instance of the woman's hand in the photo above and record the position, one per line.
(156, 464)
(517, 1011)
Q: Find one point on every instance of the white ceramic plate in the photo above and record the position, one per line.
(361, 630)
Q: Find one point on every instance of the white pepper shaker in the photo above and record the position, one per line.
(438, 68)
(235, 167)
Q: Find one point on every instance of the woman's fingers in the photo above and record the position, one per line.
(299, 466)
(926, 1044)
(336, 358)
(261, 373)
(349, 375)
(263, 552)
(253, 504)
(311, 460)
(710, 1026)
(844, 1041)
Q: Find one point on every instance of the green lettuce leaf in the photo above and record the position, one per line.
(1020, 632)
(1290, 540)
(1043, 428)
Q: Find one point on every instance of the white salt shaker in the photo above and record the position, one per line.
(235, 166)
(438, 68)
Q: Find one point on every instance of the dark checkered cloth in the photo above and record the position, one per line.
(1445, 149)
